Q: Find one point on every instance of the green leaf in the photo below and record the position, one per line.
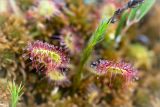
(97, 36)
(121, 24)
(139, 12)
(15, 92)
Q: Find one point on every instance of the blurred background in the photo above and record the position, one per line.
(70, 24)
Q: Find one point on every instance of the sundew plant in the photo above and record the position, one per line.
(50, 59)
(99, 33)
(83, 53)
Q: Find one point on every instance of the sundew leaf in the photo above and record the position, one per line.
(139, 12)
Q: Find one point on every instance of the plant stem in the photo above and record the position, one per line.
(95, 38)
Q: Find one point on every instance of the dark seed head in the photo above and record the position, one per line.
(134, 3)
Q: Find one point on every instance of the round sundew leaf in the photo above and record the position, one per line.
(53, 55)
(104, 67)
(115, 70)
(49, 55)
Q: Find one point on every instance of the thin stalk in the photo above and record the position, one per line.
(95, 38)
(79, 74)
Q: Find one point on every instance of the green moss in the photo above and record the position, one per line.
(142, 99)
